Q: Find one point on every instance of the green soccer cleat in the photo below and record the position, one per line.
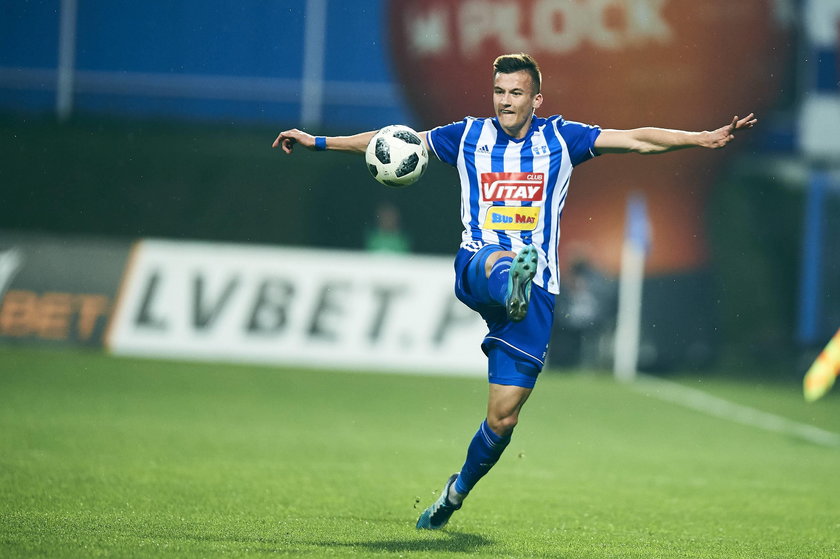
(522, 271)
(437, 515)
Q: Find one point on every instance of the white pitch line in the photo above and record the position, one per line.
(698, 400)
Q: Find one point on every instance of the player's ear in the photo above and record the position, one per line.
(538, 99)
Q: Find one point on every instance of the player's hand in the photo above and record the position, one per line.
(725, 134)
(287, 140)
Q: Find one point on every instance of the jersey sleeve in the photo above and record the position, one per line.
(580, 139)
(445, 141)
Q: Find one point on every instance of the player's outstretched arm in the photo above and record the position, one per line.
(661, 140)
(725, 134)
(357, 143)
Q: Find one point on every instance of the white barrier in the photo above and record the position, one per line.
(292, 306)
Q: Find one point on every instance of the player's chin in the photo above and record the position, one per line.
(507, 119)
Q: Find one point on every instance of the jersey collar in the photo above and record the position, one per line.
(531, 129)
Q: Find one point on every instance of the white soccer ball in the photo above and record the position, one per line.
(396, 156)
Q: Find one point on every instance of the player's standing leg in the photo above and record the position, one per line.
(485, 449)
(503, 406)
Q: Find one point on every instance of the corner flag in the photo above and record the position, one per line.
(637, 233)
(820, 377)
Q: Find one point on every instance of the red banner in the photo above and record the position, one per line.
(615, 63)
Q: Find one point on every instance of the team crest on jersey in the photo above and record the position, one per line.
(512, 187)
(512, 218)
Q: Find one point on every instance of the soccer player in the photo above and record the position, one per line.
(514, 171)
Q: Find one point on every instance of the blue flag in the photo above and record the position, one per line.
(637, 226)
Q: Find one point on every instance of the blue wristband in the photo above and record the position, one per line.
(320, 143)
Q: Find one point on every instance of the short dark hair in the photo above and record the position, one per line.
(510, 63)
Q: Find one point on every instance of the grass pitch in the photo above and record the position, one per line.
(102, 456)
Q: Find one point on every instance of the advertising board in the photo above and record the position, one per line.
(57, 291)
(295, 306)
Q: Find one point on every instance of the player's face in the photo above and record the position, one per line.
(514, 100)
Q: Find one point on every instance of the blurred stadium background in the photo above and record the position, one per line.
(124, 121)
(143, 215)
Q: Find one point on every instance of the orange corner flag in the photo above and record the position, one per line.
(820, 377)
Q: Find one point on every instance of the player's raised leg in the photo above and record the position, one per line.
(522, 271)
(503, 277)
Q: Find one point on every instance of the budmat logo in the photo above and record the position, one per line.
(516, 219)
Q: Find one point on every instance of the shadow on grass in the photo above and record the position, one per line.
(449, 541)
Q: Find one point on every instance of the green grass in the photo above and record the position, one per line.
(102, 456)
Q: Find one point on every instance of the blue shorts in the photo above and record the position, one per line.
(522, 346)
(504, 367)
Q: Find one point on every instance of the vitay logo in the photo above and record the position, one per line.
(516, 219)
(512, 187)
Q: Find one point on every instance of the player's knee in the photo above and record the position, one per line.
(502, 425)
(493, 258)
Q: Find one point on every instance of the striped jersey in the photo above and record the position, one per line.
(513, 190)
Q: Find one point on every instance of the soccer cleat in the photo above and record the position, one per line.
(437, 515)
(522, 271)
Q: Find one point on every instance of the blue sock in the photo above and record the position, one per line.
(497, 282)
(483, 453)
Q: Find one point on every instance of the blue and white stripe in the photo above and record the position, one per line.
(552, 147)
